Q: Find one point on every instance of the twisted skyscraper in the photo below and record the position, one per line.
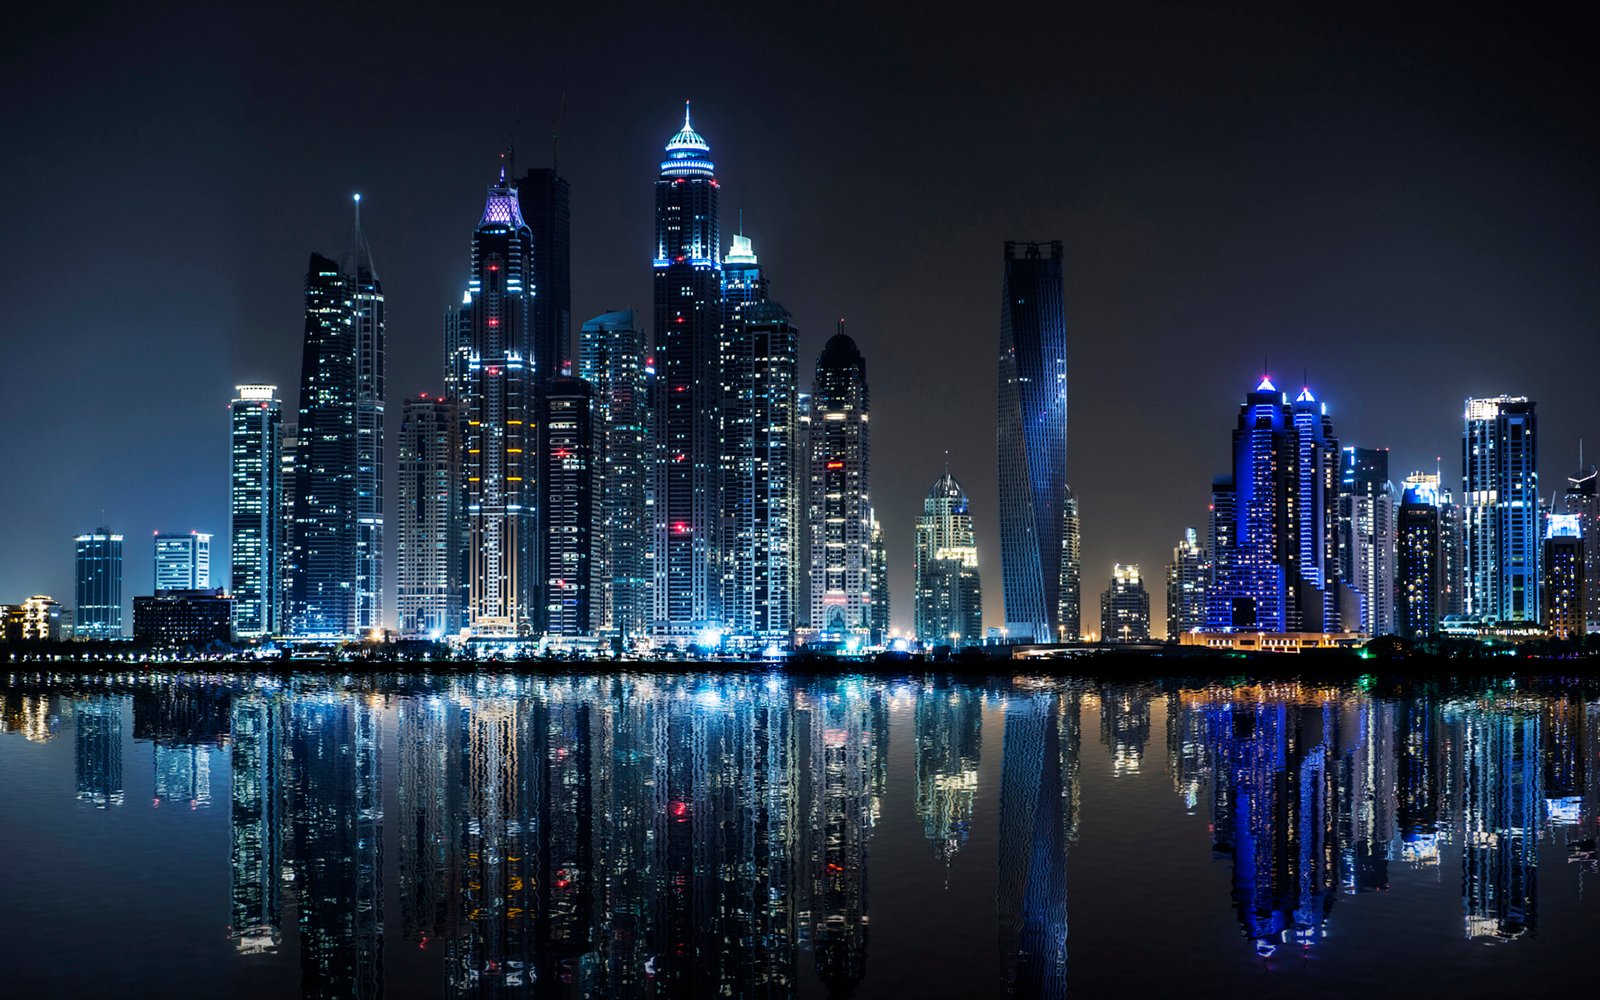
(1033, 438)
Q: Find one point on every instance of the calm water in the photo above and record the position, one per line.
(732, 835)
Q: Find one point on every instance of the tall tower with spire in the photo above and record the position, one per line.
(366, 318)
(688, 411)
(489, 362)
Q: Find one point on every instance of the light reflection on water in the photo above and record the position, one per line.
(739, 835)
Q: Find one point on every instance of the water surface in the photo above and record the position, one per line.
(747, 835)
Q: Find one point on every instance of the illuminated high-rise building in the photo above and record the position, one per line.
(688, 562)
(1367, 536)
(567, 513)
(367, 325)
(1500, 509)
(878, 587)
(949, 591)
(1125, 606)
(256, 529)
(1069, 626)
(1188, 575)
(1564, 579)
(431, 548)
(490, 368)
(99, 585)
(1273, 521)
(289, 446)
(840, 503)
(183, 561)
(322, 599)
(761, 468)
(1032, 437)
(1582, 498)
(545, 198)
(612, 356)
(1419, 563)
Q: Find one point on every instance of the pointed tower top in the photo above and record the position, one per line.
(1266, 385)
(1305, 396)
(358, 255)
(687, 153)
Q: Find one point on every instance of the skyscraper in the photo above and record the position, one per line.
(367, 325)
(1367, 536)
(545, 198)
(322, 600)
(949, 591)
(1070, 626)
(99, 585)
(840, 492)
(1564, 576)
(489, 361)
(183, 561)
(760, 454)
(1032, 437)
(256, 526)
(1187, 577)
(611, 356)
(688, 418)
(1125, 607)
(878, 587)
(567, 514)
(1583, 499)
(1273, 524)
(1500, 501)
(1419, 563)
(431, 545)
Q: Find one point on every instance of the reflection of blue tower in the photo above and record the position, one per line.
(1035, 826)
(256, 823)
(336, 847)
(1271, 814)
(98, 756)
(1417, 781)
(1502, 795)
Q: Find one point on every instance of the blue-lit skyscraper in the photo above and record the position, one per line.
(367, 325)
(322, 599)
(99, 585)
(1274, 538)
(183, 561)
(1032, 438)
(1564, 576)
(490, 368)
(255, 510)
(688, 417)
(1500, 509)
(1419, 563)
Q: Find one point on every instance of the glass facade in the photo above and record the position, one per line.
(1188, 576)
(1125, 607)
(1032, 437)
(567, 515)
(1367, 536)
(840, 490)
(183, 561)
(256, 529)
(612, 357)
(99, 585)
(1500, 509)
(430, 548)
(1419, 563)
(949, 591)
(367, 323)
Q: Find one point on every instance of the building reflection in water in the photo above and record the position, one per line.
(712, 835)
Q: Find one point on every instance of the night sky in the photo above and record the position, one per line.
(1401, 203)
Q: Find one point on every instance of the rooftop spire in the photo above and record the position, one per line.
(358, 255)
(688, 155)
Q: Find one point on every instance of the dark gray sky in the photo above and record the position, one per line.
(1401, 201)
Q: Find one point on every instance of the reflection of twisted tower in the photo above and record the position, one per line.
(336, 846)
(426, 800)
(98, 752)
(488, 958)
(1501, 800)
(1038, 818)
(843, 780)
(949, 740)
(255, 823)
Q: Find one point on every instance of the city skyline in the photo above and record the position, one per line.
(1302, 289)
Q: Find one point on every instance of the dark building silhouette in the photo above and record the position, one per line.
(178, 619)
(545, 197)
(1419, 564)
